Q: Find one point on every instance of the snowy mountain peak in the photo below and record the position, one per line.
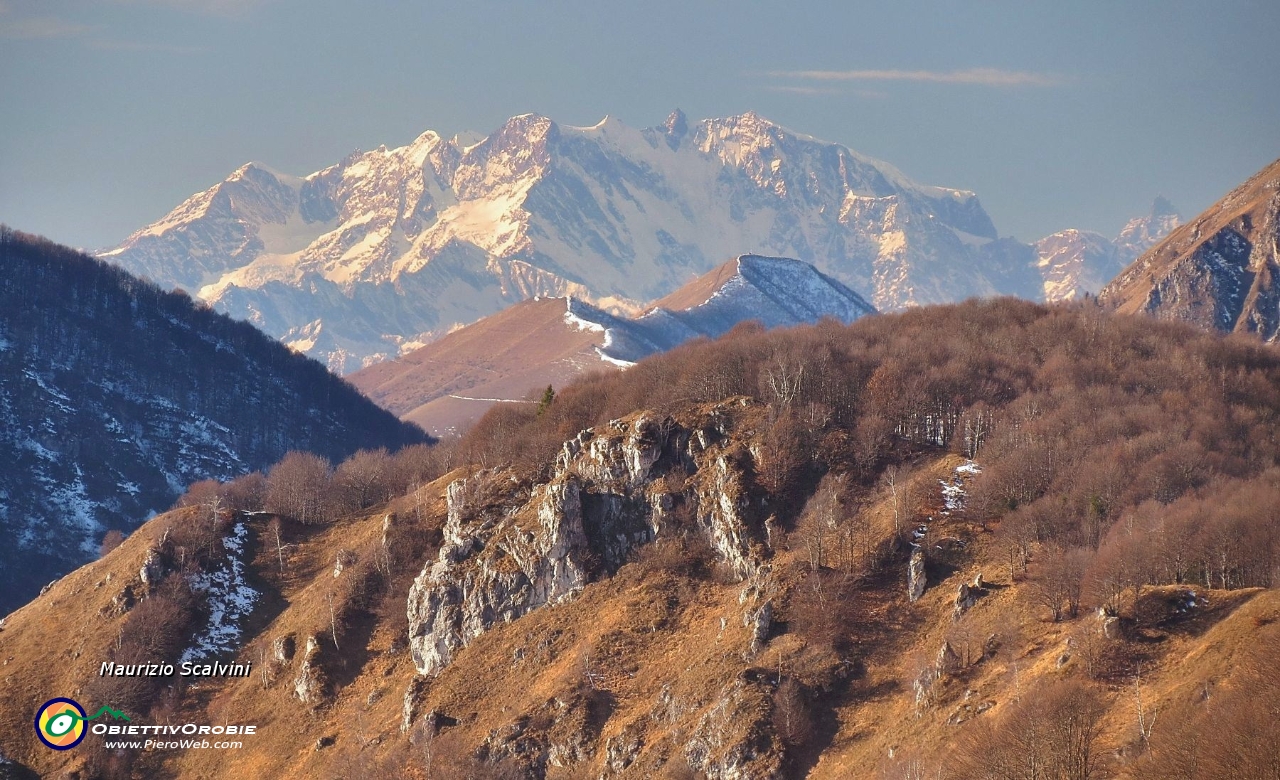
(677, 127)
(1161, 207)
(394, 247)
(1076, 262)
(1142, 233)
(776, 291)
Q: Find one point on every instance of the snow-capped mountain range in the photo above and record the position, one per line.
(392, 248)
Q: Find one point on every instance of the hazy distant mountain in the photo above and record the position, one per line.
(114, 396)
(1075, 262)
(1218, 271)
(448, 384)
(391, 248)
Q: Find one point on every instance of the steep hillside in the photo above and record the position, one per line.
(956, 543)
(392, 248)
(446, 385)
(1218, 271)
(114, 396)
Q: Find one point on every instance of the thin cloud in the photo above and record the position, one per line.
(51, 28)
(168, 48)
(41, 27)
(206, 7)
(45, 28)
(797, 89)
(987, 77)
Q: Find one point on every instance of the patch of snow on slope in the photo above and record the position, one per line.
(76, 506)
(954, 494)
(228, 597)
(571, 318)
(620, 363)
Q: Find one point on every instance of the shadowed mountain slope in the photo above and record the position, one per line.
(116, 395)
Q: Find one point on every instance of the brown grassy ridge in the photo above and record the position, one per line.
(644, 631)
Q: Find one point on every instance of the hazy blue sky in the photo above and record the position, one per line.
(1058, 114)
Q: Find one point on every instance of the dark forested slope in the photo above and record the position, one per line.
(115, 395)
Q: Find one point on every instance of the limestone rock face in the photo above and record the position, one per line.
(915, 575)
(412, 704)
(758, 621)
(282, 648)
(721, 514)
(605, 497)
(966, 597)
(947, 662)
(308, 686)
(153, 569)
(621, 750)
(488, 575)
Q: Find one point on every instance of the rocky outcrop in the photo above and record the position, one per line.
(308, 686)
(966, 597)
(153, 568)
(493, 569)
(757, 598)
(282, 648)
(343, 560)
(721, 507)
(947, 662)
(758, 623)
(560, 733)
(621, 751)
(413, 696)
(604, 498)
(915, 575)
(734, 740)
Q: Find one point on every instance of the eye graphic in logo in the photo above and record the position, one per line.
(60, 724)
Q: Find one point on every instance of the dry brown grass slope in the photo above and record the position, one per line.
(634, 659)
(524, 347)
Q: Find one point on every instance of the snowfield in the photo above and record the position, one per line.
(228, 598)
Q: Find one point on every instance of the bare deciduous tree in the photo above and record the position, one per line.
(298, 486)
